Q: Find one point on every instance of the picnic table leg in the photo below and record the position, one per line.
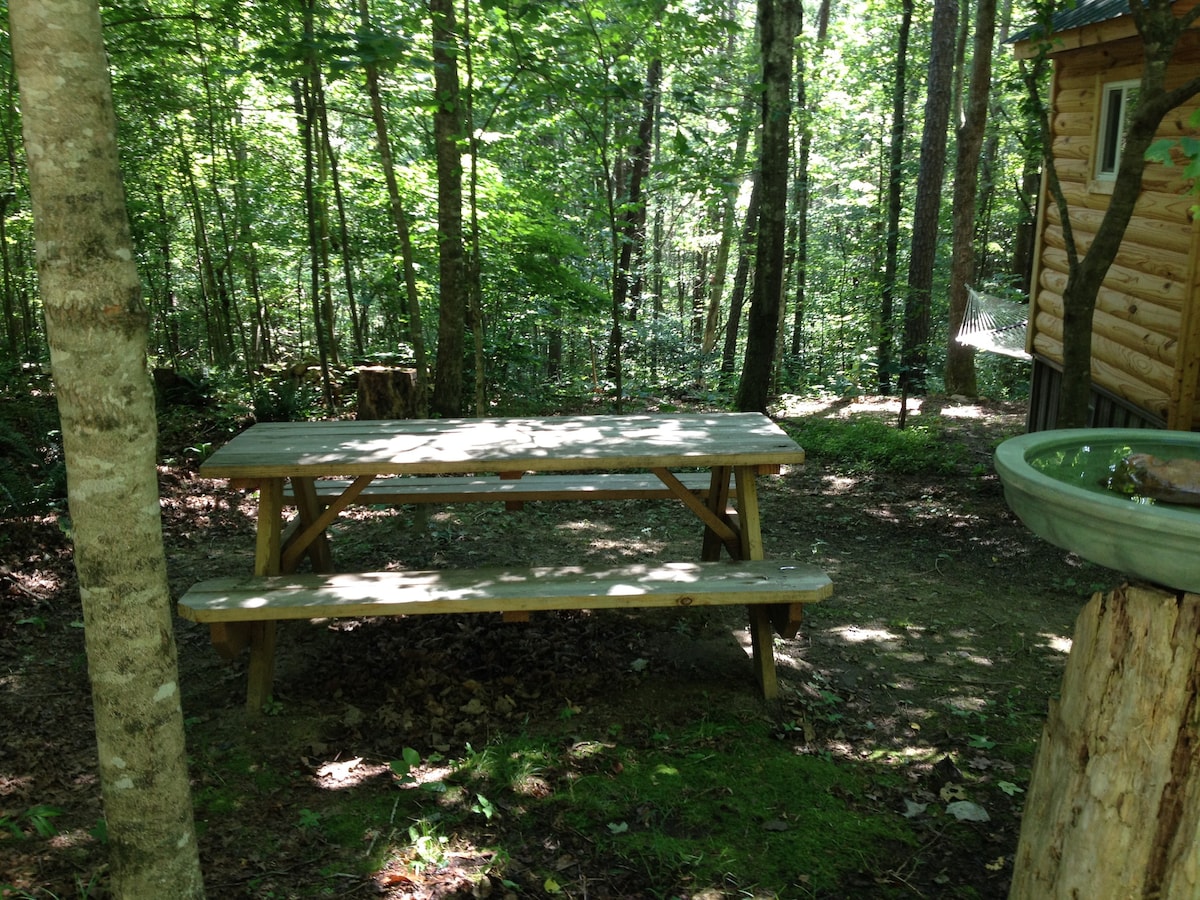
(761, 643)
(748, 512)
(261, 672)
(309, 508)
(270, 527)
(762, 638)
(261, 635)
(718, 499)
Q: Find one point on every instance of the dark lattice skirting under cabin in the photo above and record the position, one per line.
(1106, 409)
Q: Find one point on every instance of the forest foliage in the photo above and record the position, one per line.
(272, 240)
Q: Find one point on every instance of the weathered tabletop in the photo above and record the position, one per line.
(265, 455)
(455, 446)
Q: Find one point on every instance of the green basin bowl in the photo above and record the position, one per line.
(1052, 481)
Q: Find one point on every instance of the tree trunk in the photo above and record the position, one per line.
(1114, 802)
(778, 21)
(473, 269)
(216, 324)
(960, 358)
(358, 326)
(800, 187)
(385, 392)
(96, 323)
(631, 225)
(737, 298)
(914, 356)
(399, 216)
(448, 131)
(716, 283)
(891, 266)
(990, 163)
(261, 340)
(11, 327)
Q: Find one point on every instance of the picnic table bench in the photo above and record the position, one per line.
(242, 610)
(306, 464)
(511, 488)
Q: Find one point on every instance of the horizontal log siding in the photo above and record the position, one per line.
(1145, 343)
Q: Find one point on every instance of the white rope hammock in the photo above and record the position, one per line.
(994, 324)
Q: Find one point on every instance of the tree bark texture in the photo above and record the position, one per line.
(385, 392)
(716, 282)
(778, 21)
(737, 296)
(97, 325)
(1114, 803)
(914, 356)
(448, 132)
(960, 358)
(895, 185)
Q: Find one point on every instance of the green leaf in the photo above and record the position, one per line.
(1160, 152)
(483, 806)
(39, 817)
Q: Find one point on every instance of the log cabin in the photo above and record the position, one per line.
(1146, 333)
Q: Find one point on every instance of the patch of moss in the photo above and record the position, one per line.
(722, 804)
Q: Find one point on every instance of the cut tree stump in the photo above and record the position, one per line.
(1114, 802)
(387, 392)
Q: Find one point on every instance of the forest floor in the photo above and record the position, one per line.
(462, 757)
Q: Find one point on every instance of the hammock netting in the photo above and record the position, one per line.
(994, 324)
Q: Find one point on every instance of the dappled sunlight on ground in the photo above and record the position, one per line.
(1056, 642)
(968, 411)
(856, 634)
(341, 774)
(840, 484)
(836, 407)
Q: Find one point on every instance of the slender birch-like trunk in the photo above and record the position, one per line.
(96, 325)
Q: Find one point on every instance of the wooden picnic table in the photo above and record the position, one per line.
(287, 461)
(270, 453)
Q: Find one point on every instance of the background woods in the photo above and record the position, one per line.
(555, 199)
(543, 207)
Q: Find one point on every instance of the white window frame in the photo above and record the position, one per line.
(1116, 100)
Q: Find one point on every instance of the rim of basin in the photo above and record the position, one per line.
(1012, 463)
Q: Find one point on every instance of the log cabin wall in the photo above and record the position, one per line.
(1146, 334)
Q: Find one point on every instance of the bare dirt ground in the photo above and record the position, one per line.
(944, 639)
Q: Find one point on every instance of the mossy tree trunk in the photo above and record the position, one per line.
(96, 324)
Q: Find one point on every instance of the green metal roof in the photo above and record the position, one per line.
(1076, 15)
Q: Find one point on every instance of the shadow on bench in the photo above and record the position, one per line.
(242, 611)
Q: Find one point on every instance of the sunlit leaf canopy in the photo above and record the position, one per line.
(246, 129)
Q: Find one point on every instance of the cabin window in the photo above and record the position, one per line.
(1117, 99)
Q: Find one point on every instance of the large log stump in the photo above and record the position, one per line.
(386, 392)
(1114, 802)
